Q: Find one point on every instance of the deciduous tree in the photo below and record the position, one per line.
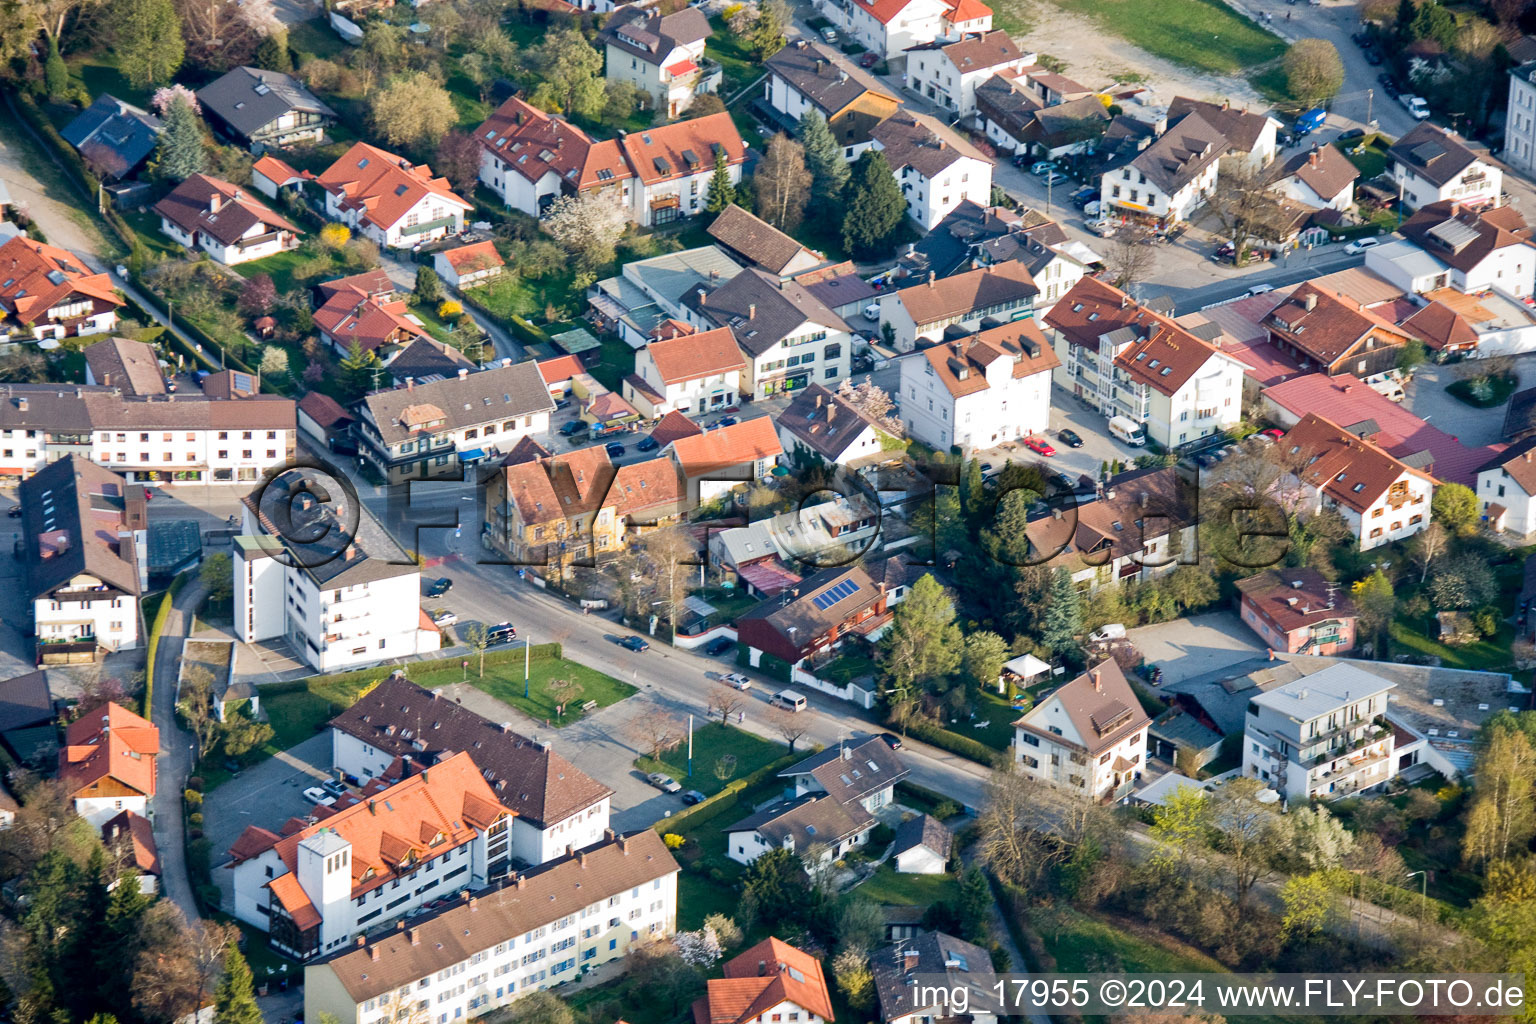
(1455, 507)
(790, 725)
(1314, 71)
(588, 226)
(1129, 256)
(257, 296)
(147, 40)
(572, 74)
(656, 731)
(458, 159)
(782, 185)
(412, 110)
(217, 577)
(221, 34)
(985, 655)
(1245, 207)
(1502, 817)
(924, 641)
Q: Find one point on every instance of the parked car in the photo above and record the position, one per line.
(1260, 289)
(692, 796)
(737, 681)
(718, 646)
(1113, 631)
(829, 34)
(1039, 445)
(1273, 432)
(1417, 108)
(1352, 133)
(665, 783)
(439, 587)
(1359, 245)
(1042, 167)
(1056, 178)
(1070, 438)
(727, 421)
(316, 795)
(1389, 84)
(1371, 54)
(891, 740)
(14, 512)
(334, 787)
(1309, 122)
(615, 449)
(647, 444)
(444, 618)
(635, 643)
(573, 427)
(501, 633)
(869, 59)
(1085, 195)
(1093, 209)
(562, 403)
(1102, 228)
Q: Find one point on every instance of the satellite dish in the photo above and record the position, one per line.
(1267, 796)
(49, 344)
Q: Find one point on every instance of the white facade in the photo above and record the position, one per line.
(1064, 764)
(1292, 187)
(1398, 513)
(650, 205)
(1478, 182)
(113, 621)
(1495, 486)
(1055, 279)
(515, 189)
(242, 250)
(894, 311)
(931, 74)
(931, 200)
(405, 230)
(98, 810)
(695, 395)
(1007, 409)
(920, 861)
(747, 845)
(670, 94)
(170, 456)
(865, 443)
(1520, 122)
(913, 24)
(97, 323)
(1128, 189)
(1312, 739)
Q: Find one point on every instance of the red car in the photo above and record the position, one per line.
(1039, 446)
(1272, 432)
(869, 60)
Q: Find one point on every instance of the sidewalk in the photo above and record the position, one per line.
(175, 761)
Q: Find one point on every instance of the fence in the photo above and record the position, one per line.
(849, 692)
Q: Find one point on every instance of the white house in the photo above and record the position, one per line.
(1381, 498)
(1482, 251)
(789, 337)
(1251, 138)
(672, 165)
(662, 55)
(559, 807)
(980, 391)
(486, 951)
(1003, 291)
(936, 168)
(890, 26)
(48, 292)
(388, 199)
(1431, 164)
(349, 598)
(439, 830)
(922, 846)
(1506, 489)
(947, 71)
(1321, 177)
(1520, 123)
(108, 763)
(1128, 360)
(1087, 737)
(769, 980)
(819, 424)
(224, 221)
(1171, 178)
(692, 373)
(1321, 737)
(468, 264)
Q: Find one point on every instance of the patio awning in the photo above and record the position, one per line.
(472, 455)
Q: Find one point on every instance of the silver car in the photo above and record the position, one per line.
(665, 783)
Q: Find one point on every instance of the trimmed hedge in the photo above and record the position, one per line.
(162, 614)
(712, 807)
(955, 743)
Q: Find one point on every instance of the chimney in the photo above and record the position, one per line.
(463, 373)
(21, 403)
(943, 144)
(818, 401)
(474, 904)
(106, 380)
(909, 960)
(361, 941)
(624, 845)
(932, 277)
(410, 383)
(1310, 302)
(1312, 157)
(351, 554)
(371, 808)
(1527, 456)
(609, 835)
(518, 881)
(751, 311)
(414, 935)
(214, 202)
(847, 754)
(1098, 687)
(831, 413)
(1143, 499)
(581, 858)
(373, 953)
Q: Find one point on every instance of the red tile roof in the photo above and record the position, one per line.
(35, 277)
(137, 835)
(1350, 470)
(725, 447)
(961, 366)
(277, 171)
(1166, 358)
(560, 369)
(109, 743)
(1331, 327)
(692, 356)
(770, 973)
(1440, 327)
(534, 143)
(323, 409)
(673, 426)
(351, 314)
(482, 253)
(295, 901)
(383, 185)
(660, 154)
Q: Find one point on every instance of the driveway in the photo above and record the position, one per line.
(1427, 399)
(1193, 647)
(42, 190)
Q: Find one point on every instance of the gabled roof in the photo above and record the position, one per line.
(962, 365)
(526, 450)
(1331, 327)
(1519, 461)
(984, 287)
(350, 314)
(725, 448)
(567, 485)
(25, 700)
(248, 99)
(496, 393)
(1323, 169)
(72, 513)
(1349, 469)
(755, 239)
(382, 185)
(976, 51)
(323, 409)
(850, 771)
(820, 602)
(825, 76)
(949, 247)
(1181, 154)
(760, 978)
(110, 742)
(673, 426)
(1296, 598)
(693, 356)
(1440, 327)
(1100, 704)
(426, 357)
(129, 365)
(35, 277)
(823, 421)
(927, 831)
(1135, 507)
(652, 36)
(474, 257)
(137, 835)
(1242, 129)
(761, 310)
(945, 964)
(1463, 238)
(924, 144)
(683, 148)
(1432, 153)
(1007, 99)
(1166, 358)
(218, 209)
(124, 132)
(560, 369)
(534, 144)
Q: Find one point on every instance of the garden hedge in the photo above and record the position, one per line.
(955, 743)
(714, 806)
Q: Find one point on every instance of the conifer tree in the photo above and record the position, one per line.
(180, 152)
(874, 204)
(721, 192)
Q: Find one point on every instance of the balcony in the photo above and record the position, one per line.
(412, 230)
(1352, 764)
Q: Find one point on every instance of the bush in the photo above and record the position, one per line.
(195, 782)
(195, 819)
(193, 798)
(946, 809)
(209, 896)
(673, 840)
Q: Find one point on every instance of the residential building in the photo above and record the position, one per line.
(756, 243)
(979, 391)
(814, 617)
(922, 846)
(48, 293)
(578, 506)
(818, 425)
(935, 167)
(469, 264)
(426, 359)
(672, 165)
(530, 158)
(486, 951)
(725, 458)
(431, 429)
(947, 71)
(789, 337)
(1382, 498)
(28, 720)
(1251, 138)
(389, 200)
(558, 806)
(800, 540)
(1321, 737)
(923, 312)
(1062, 129)
(1127, 359)
(661, 55)
(691, 373)
(1006, 105)
(130, 839)
(433, 830)
(1322, 328)
(1298, 611)
(1168, 180)
(152, 438)
(1481, 251)
(647, 293)
(83, 548)
(837, 794)
(1087, 737)
(807, 75)
(840, 289)
(1136, 530)
(1506, 489)
(890, 26)
(1431, 165)
(1520, 124)
(224, 221)
(365, 310)
(349, 597)
(1321, 177)
(108, 763)
(951, 970)
(113, 138)
(262, 109)
(130, 366)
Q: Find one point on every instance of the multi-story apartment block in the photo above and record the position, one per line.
(390, 200)
(347, 598)
(1520, 125)
(1323, 736)
(108, 764)
(147, 438)
(662, 55)
(1163, 184)
(1431, 164)
(84, 551)
(936, 168)
(693, 373)
(1087, 738)
(431, 429)
(488, 950)
(49, 293)
(790, 338)
(559, 807)
(980, 391)
(1381, 498)
(406, 840)
(225, 221)
(1003, 292)
(1131, 361)
(947, 71)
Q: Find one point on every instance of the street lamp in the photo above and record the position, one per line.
(527, 662)
(1423, 891)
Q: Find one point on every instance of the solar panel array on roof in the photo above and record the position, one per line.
(242, 382)
(832, 595)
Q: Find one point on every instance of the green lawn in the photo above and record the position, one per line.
(315, 39)
(99, 73)
(711, 742)
(1371, 161)
(147, 226)
(505, 683)
(1000, 717)
(739, 66)
(1205, 35)
(1489, 655)
(281, 267)
(451, 335)
(1079, 942)
(697, 898)
(893, 888)
(616, 362)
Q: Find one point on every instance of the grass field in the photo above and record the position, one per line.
(281, 267)
(711, 742)
(1205, 35)
(893, 888)
(1492, 654)
(505, 683)
(1370, 161)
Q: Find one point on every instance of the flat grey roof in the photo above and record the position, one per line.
(1322, 692)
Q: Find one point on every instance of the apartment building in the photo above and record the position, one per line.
(223, 220)
(108, 763)
(432, 429)
(485, 951)
(1174, 176)
(692, 373)
(789, 337)
(1321, 737)
(948, 71)
(388, 199)
(162, 439)
(1431, 165)
(936, 168)
(350, 597)
(1252, 138)
(1298, 611)
(1481, 251)
(1382, 498)
(725, 458)
(662, 55)
(425, 833)
(1087, 738)
(1520, 125)
(979, 391)
(49, 293)
(1002, 292)
(84, 550)
(889, 27)
(808, 75)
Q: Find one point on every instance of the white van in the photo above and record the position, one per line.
(1127, 430)
(788, 699)
(872, 312)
